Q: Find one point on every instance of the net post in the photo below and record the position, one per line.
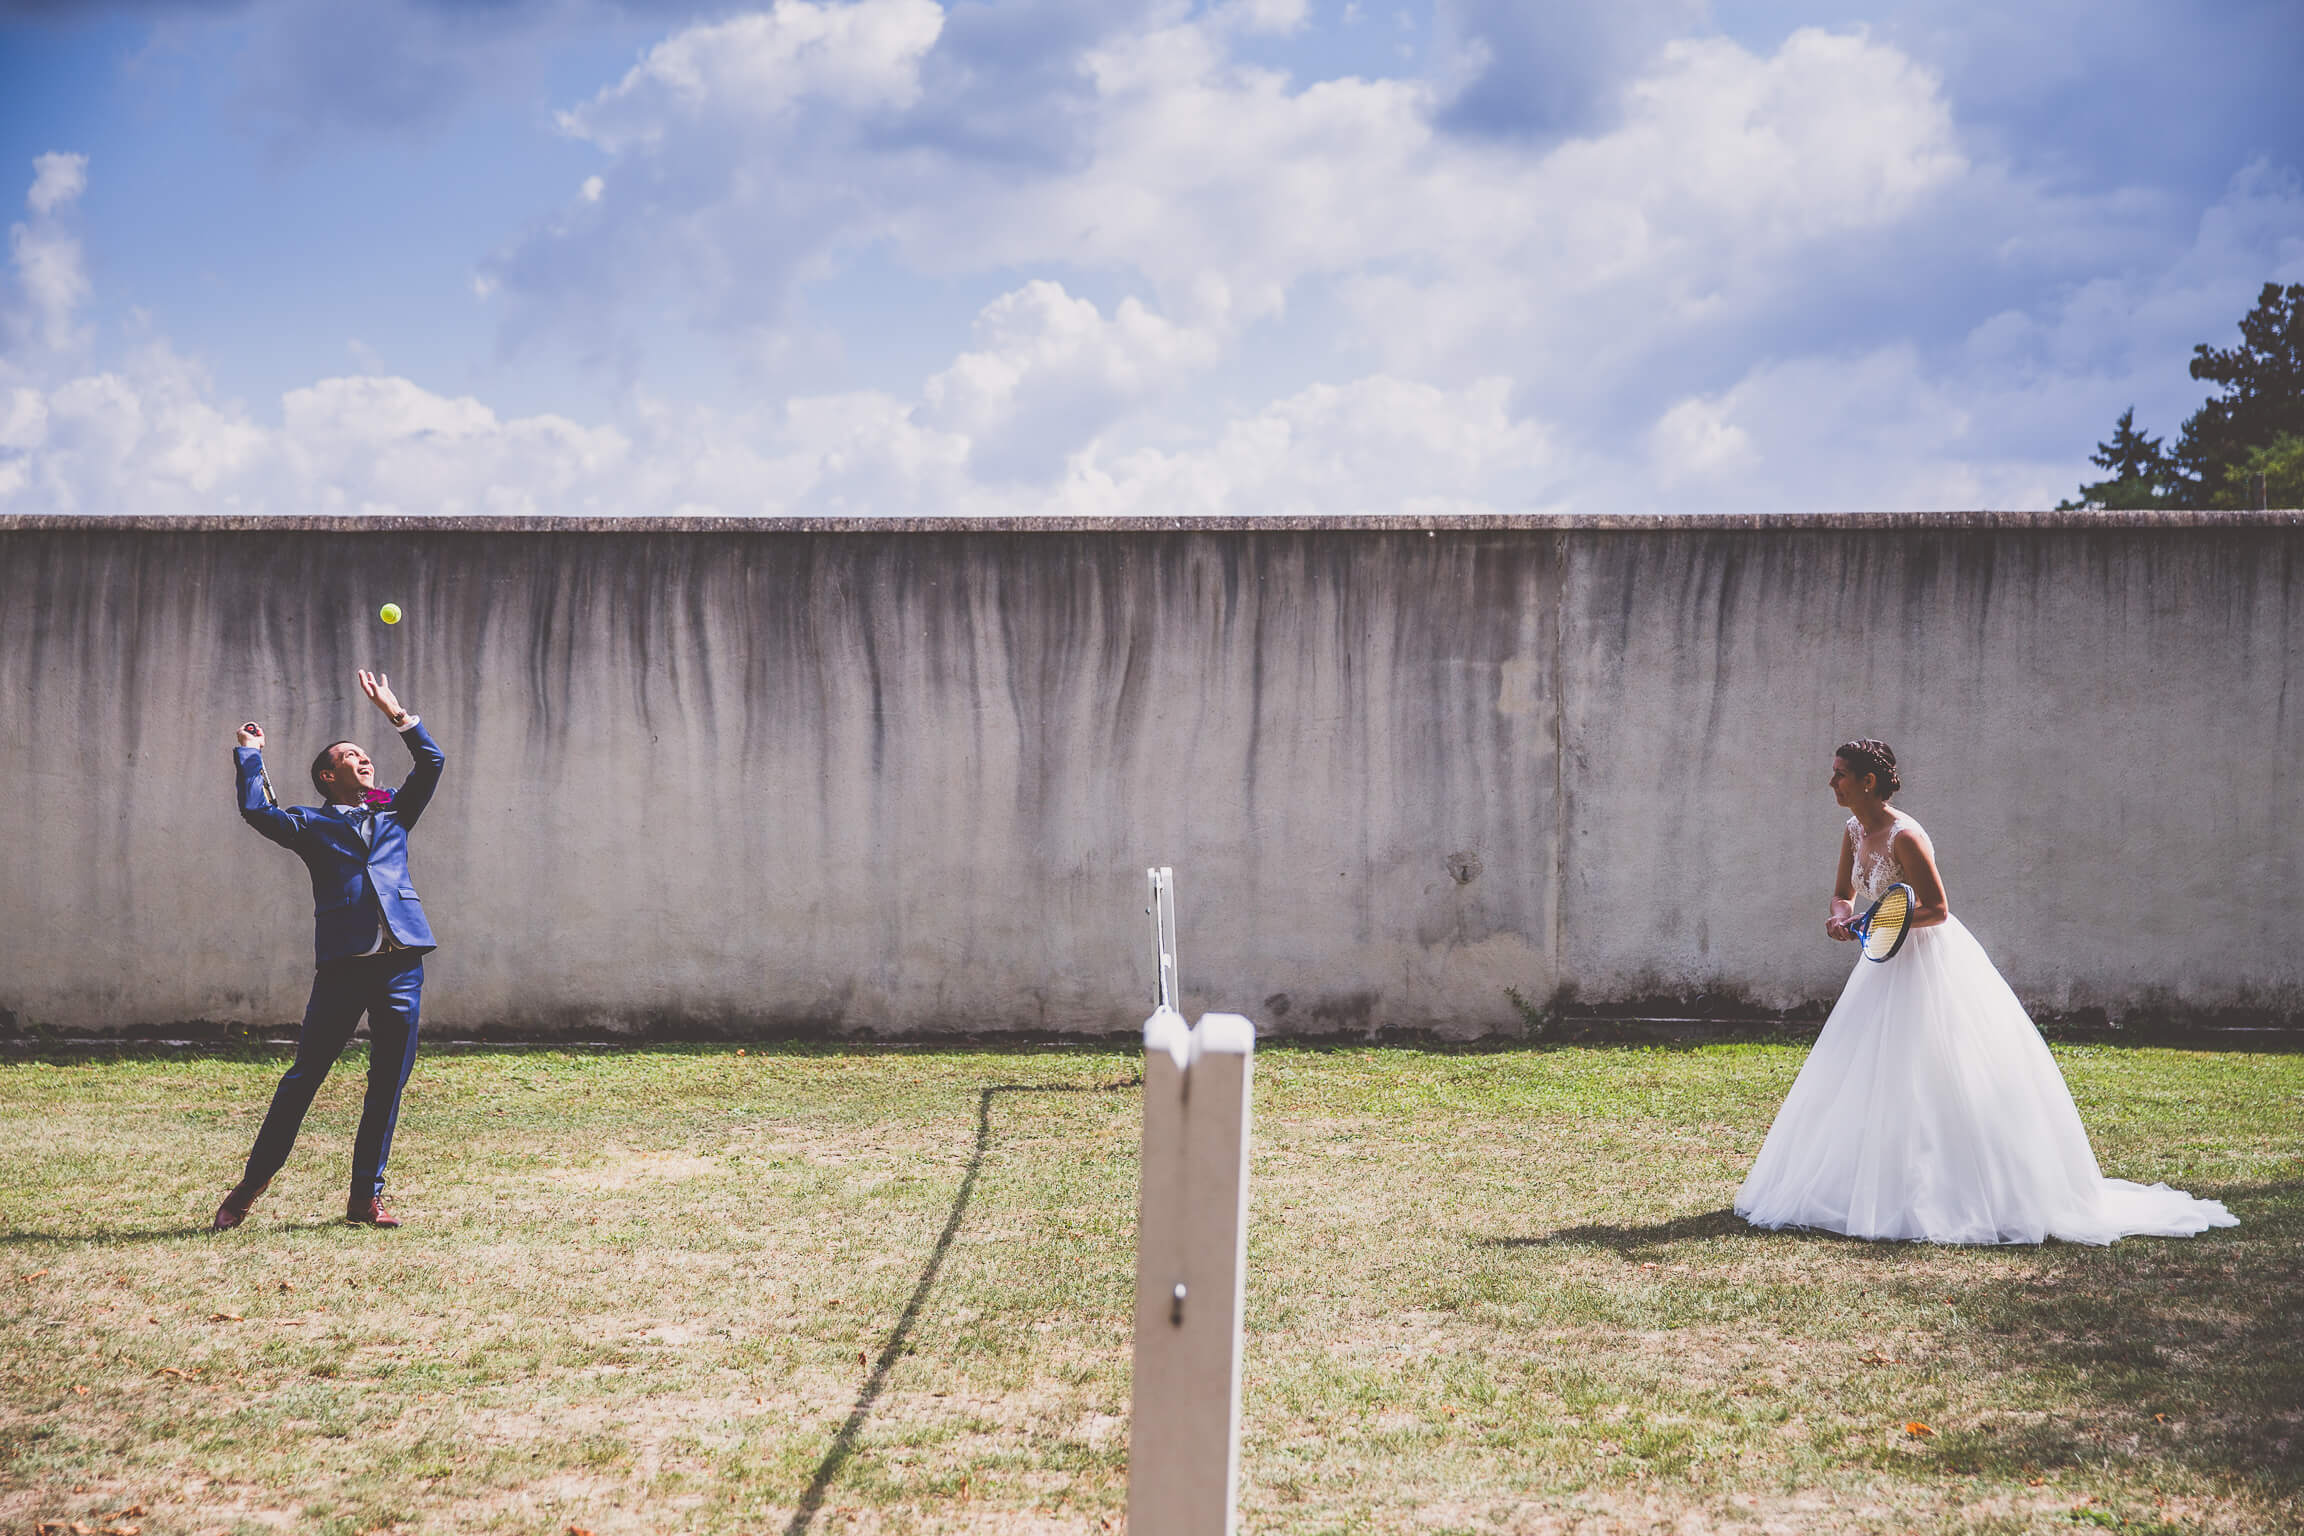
(1161, 882)
(1191, 1275)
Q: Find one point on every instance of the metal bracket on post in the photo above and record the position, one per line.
(1191, 1237)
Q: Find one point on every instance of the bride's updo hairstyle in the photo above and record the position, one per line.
(1873, 757)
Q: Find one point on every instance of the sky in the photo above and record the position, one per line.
(1142, 257)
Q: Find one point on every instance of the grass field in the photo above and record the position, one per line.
(711, 1291)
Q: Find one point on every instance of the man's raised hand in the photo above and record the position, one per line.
(379, 688)
(252, 735)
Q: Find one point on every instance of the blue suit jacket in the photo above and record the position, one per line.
(353, 883)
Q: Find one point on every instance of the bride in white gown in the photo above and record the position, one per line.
(1930, 1108)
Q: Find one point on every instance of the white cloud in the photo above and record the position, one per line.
(1049, 371)
(1729, 177)
(1197, 166)
(151, 437)
(56, 180)
(1271, 17)
(1534, 69)
(1232, 196)
(732, 145)
(1694, 442)
(862, 56)
(1377, 444)
(1902, 427)
(23, 419)
(144, 438)
(46, 254)
(1748, 278)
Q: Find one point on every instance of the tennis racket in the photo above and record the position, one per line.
(1882, 928)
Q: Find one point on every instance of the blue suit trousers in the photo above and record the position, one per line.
(389, 989)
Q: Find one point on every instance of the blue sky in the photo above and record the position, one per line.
(1121, 255)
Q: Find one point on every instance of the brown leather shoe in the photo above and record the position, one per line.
(234, 1210)
(369, 1213)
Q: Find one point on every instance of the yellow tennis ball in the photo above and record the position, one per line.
(390, 613)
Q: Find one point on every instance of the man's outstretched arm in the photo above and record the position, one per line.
(256, 807)
(409, 800)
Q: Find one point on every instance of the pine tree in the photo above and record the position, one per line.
(2262, 402)
(2142, 478)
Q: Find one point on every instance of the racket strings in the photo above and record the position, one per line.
(1887, 923)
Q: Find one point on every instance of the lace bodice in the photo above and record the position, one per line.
(1876, 870)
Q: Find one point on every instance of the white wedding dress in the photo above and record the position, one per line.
(1930, 1109)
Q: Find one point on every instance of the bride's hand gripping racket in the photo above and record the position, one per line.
(1882, 928)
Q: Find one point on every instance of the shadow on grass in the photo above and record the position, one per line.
(844, 1443)
(1627, 1242)
(103, 1239)
(2185, 1351)
(1723, 1225)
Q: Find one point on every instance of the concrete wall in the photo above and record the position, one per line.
(904, 778)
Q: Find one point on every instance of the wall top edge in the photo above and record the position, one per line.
(37, 522)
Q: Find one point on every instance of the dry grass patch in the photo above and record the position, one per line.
(684, 1290)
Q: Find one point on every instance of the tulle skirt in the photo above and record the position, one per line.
(1931, 1110)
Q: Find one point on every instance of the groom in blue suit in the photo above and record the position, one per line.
(369, 943)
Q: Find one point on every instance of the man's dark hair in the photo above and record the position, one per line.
(321, 762)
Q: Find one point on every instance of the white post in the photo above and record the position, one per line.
(1191, 1273)
(1163, 913)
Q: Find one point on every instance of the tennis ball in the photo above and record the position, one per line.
(390, 613)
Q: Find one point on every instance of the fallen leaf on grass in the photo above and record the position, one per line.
(287, 1285)
(122, 1530)
(859, 1357)
(36, 1274)
(79, 1391)
(1876, 1358)
(578, 1530)
(226, 1317)
(1917, 1430)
